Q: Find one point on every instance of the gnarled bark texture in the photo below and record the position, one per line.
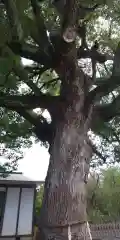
(63, 214)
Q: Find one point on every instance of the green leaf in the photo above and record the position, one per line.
(5, 65)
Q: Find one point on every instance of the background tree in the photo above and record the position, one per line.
(77, 81)
(103, 201)
(39, 199)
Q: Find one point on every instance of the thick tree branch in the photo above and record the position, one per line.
(94, 55)
(103, 89)
(23, 75)
(73, 12)
(39, 22)
(27, 101)
(110, 84)
(97, 152)
(31, 52)
(28, 51)
(70, 20)
(44, 132)
(108, 111)
(15, 25)
(29, 115)
(42, 128)
(115, 136)
(35, 69)
(25, 50)
(116, 63)
(99, 81)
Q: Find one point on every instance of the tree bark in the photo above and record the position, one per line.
(63, 213)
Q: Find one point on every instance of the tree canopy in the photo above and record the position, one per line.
(30, 29)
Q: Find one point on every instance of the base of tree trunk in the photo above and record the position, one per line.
(79, 231)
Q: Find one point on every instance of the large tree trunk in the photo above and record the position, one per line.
(63, 214)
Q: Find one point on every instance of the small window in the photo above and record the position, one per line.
(2, 204)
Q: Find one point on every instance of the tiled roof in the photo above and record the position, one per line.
(17, 178)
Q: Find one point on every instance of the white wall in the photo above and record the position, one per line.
(25, 217)
(26, 211)
(10, 214)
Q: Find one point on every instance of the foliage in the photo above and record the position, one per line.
(104, 196)
(39, 200)
(34, 85)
